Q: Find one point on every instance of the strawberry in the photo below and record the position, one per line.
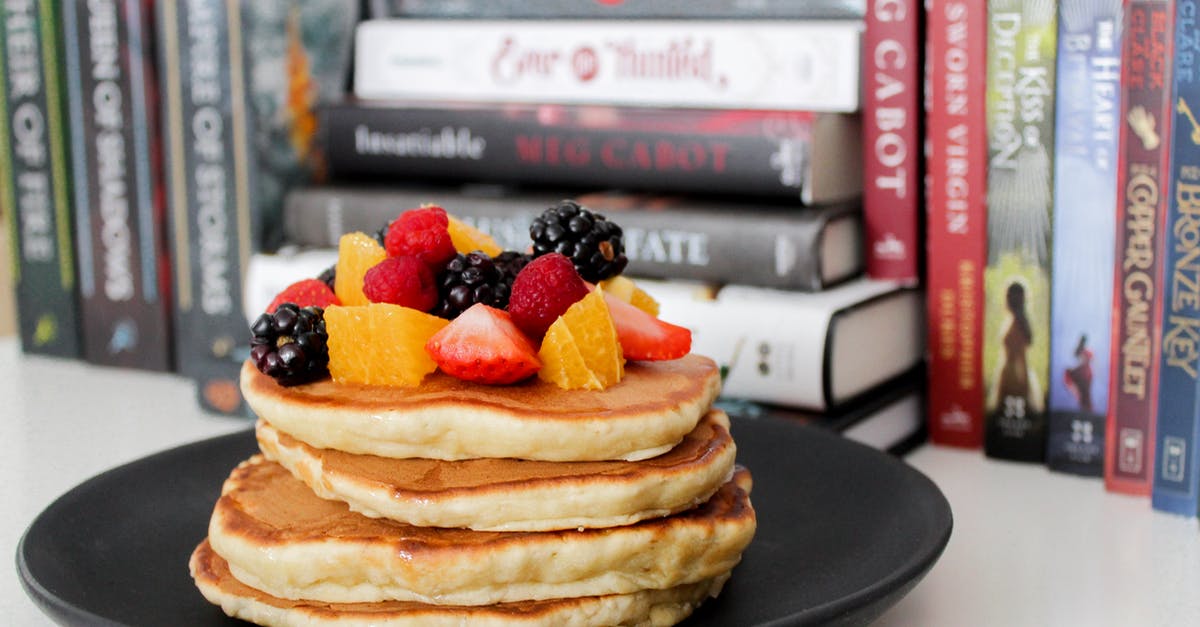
(482, 344)
(542, 291)
(644, 337)
(305, 293)
(401, 281)
(423, 233)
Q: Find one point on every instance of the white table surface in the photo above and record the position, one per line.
(1029, 547)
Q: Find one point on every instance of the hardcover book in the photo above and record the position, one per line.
(892, 136)
(1176, 485)
(812, 157)
(801, 248)
(1141, 217)
(242, 82)
(956, 228)
(35, 181)
(1016, 317)
(809, 65)
(1085, 164)
(119, 212)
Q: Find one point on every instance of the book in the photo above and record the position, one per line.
(892, 136)
(1088, 103)
(816, 351)
(1141, 218)
(35, 180)
(242, 82)
(119, 212)
(956, 225)
(1016, 314)
(891, 418)
(1176, 484)
(810, 65)
(798, 154)
(727, 240)
(725, 9)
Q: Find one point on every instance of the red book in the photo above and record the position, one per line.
(1141, 218)
(892, 137)
(956, 228)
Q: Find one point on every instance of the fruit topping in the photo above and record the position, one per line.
(328, 276)
(469, 279)
(644, 337)
(290, 344)
(401, 281)
(482, 344)
(624, 288)
(542, 291)
(380, 344)
(581, 349)
(357, 253)
(593, 244)
(304, 293)
(467, 238)
(422, 233)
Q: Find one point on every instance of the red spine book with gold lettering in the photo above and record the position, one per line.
(956, 225)
(1141, 211)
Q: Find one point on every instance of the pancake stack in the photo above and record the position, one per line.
(458, 503)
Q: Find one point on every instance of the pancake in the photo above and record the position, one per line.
(644, 607)
(510, 494)
(646, 414)
(281, 538)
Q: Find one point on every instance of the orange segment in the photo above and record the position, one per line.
(467, 238)
(624, 288)
(380, 344)
(357, 253)
(581, 350)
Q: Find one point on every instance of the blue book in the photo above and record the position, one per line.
(1085, 196)
(1176, 475)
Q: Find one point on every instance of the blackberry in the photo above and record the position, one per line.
(381, 234)
(511, 263)
(291, 345)
(328, 275)
(469, 279)
(593, 243)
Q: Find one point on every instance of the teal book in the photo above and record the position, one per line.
(35, 179)
(1021, 53)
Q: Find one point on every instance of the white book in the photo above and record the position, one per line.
(808, 65)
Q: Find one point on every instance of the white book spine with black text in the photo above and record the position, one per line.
(808, 65)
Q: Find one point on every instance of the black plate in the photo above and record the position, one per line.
(843, 533)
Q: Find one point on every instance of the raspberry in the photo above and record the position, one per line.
(542, 291)
(423, 233)
(404, 281)
(304, 293)
(291, 344)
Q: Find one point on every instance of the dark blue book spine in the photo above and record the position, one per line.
(1176, 474)
(1085, 163)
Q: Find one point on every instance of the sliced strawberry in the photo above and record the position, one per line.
(482, 344)
(644, 337)
(305, 293)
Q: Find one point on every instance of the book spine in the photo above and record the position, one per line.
(1020, 112)
(1176, 485)
(1141, 214)
(1084, 231)
(691, 9)
(35, 180)
(674, 63)
(664, 237)
(208, 182)
(120, 241)
(752, 152)
(956, 235)
(892, 136)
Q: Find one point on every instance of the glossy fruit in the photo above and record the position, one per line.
(289, 344)
(422, 233)
(644, 337)
(401, 281)
(467, 238)
(482, 344)
(581, 349)
(380, 344)
(357, 253)
(305, 293)
(624, 288)
(543, 290)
